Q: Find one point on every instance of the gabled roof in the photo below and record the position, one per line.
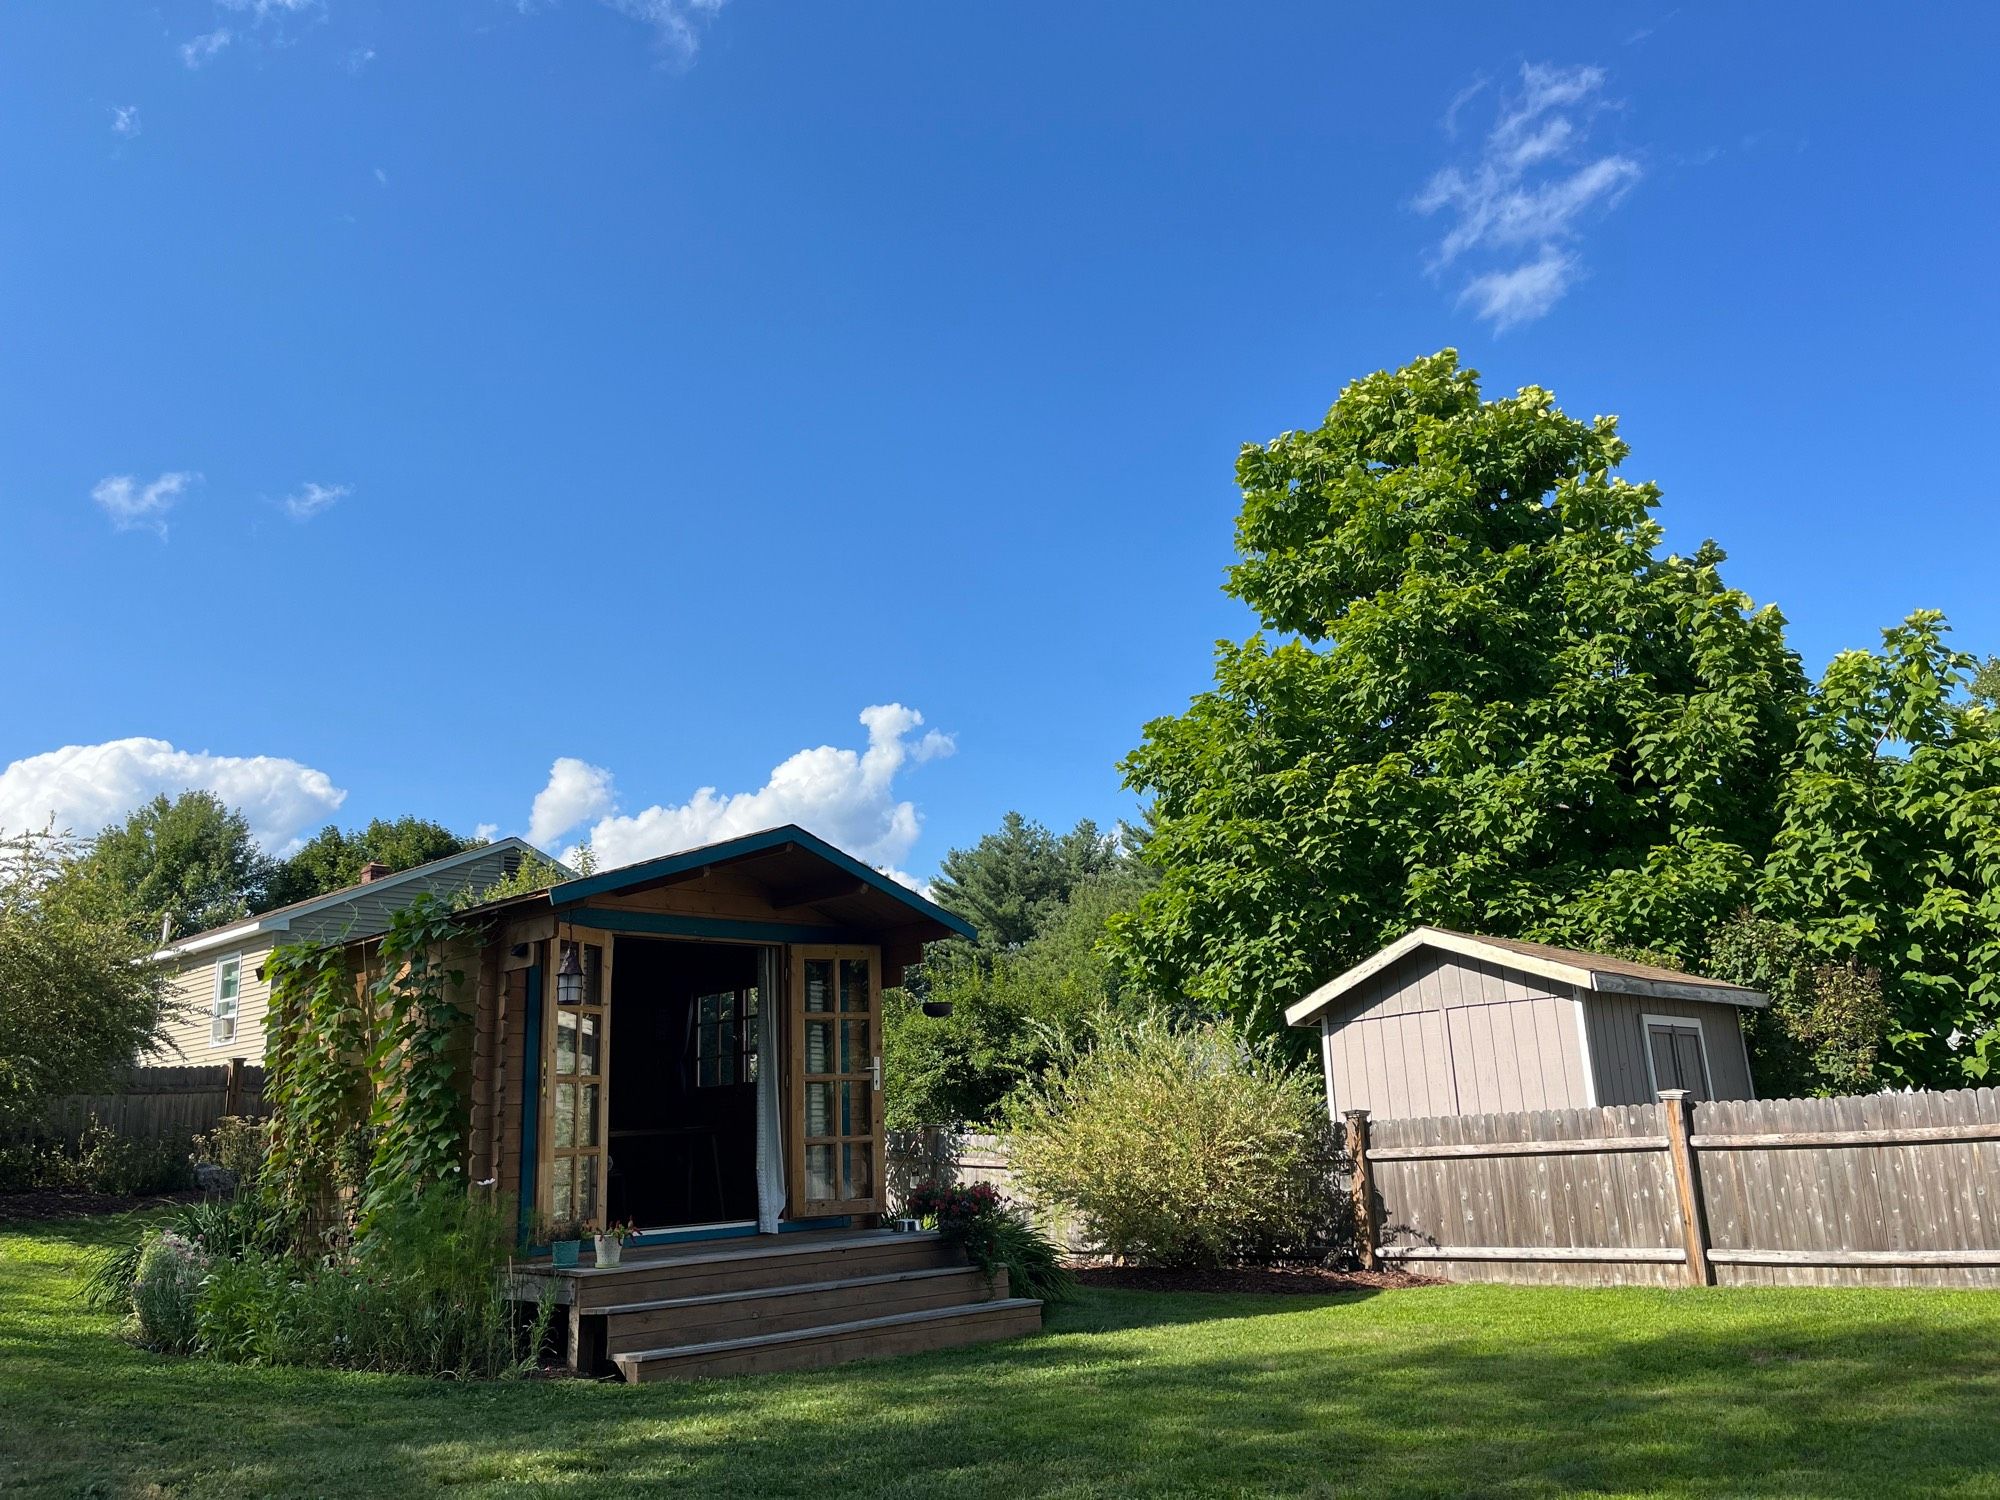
(280, 918)
(1599, 972)
(790, 858)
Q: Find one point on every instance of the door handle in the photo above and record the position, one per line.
(875, 1068)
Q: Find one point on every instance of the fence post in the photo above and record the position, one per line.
(232, 1087)
(1364, 1186)
(1687, 1185)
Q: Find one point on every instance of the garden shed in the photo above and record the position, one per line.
(1449, 1023)
(692, 1045)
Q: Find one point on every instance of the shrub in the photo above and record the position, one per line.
(225, 1229)
(1179, 1143)
(165, 1291)
(238, 1145)
(995, 1235)
(96, 1159)
(423, 1292)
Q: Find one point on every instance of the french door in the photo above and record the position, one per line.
(835, 1164)
(576, 1063)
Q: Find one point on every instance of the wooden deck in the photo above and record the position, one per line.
(776, 1302)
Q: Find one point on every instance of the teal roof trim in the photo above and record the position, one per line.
(583, 888)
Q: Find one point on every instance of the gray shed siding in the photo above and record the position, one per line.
(1441, 1034)
(1618, 1046)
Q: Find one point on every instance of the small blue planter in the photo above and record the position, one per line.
(564, 1252)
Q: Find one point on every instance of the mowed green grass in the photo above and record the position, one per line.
(1434, 1391)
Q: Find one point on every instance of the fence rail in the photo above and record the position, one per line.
(167, 1101)
(1887, 1189)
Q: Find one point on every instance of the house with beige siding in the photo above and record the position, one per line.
(216, 987)
(1448, 1023)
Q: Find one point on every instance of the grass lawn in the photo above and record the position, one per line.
(1446, 1390)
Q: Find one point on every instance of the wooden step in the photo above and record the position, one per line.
(740, 1265)
(837, 1343)
(720, 1316)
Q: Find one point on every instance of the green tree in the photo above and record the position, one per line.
(1007, 884)
(1491, 703)
(1010, 1011)
(332, 859)
(1888, 858)
(77, 1000)
(189, 860)
(1828, 1022)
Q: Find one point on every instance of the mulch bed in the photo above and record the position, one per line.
(1317, 1281)
(42, 1204)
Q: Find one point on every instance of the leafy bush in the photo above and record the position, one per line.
(165, 1291)
(238, 1145)
(96, 1160)
(995, 1235)
(224, 1229)
(1010, 1009)
(1178, 1143)
(423, 1292)
(1828, 1021)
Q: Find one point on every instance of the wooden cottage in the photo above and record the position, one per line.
(1446, 1023)
(693, 1044)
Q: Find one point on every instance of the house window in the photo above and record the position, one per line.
(222, 1012)
(1677, 1056)
(726, 1039)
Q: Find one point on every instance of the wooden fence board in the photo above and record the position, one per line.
(167, 1101)
(1885, 1189)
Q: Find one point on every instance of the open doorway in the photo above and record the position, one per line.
(684, 1064)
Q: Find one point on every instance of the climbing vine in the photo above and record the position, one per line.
(361, 1079)
(315, 1081)
(419, 1111)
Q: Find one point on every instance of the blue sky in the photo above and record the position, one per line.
(423, 408)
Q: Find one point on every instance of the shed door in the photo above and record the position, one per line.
(1675, 1050)
(836, 1070)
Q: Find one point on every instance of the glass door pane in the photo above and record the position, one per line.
(576, 1064)
(837, 1080)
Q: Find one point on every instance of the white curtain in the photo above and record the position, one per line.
(771, 994)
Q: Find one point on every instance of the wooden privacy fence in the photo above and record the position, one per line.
(1884, 1189)
(164, 1101)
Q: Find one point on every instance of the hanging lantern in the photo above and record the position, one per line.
(569, 977)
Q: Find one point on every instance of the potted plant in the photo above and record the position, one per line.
(611, 1242)
(564, 1237)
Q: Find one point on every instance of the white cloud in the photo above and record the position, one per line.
(125, 120)
(676, 24)
(359, 58)
(487, 832)
(263, 9)
(85, 787)
(381, 177)
(1525, 200)
(1521, 295)
(576, 792)
(309, 500)
(845, 796)
(202, 49)
(133, 506)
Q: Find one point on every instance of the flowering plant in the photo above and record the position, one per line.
(621, 1232)
(994, 1234)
